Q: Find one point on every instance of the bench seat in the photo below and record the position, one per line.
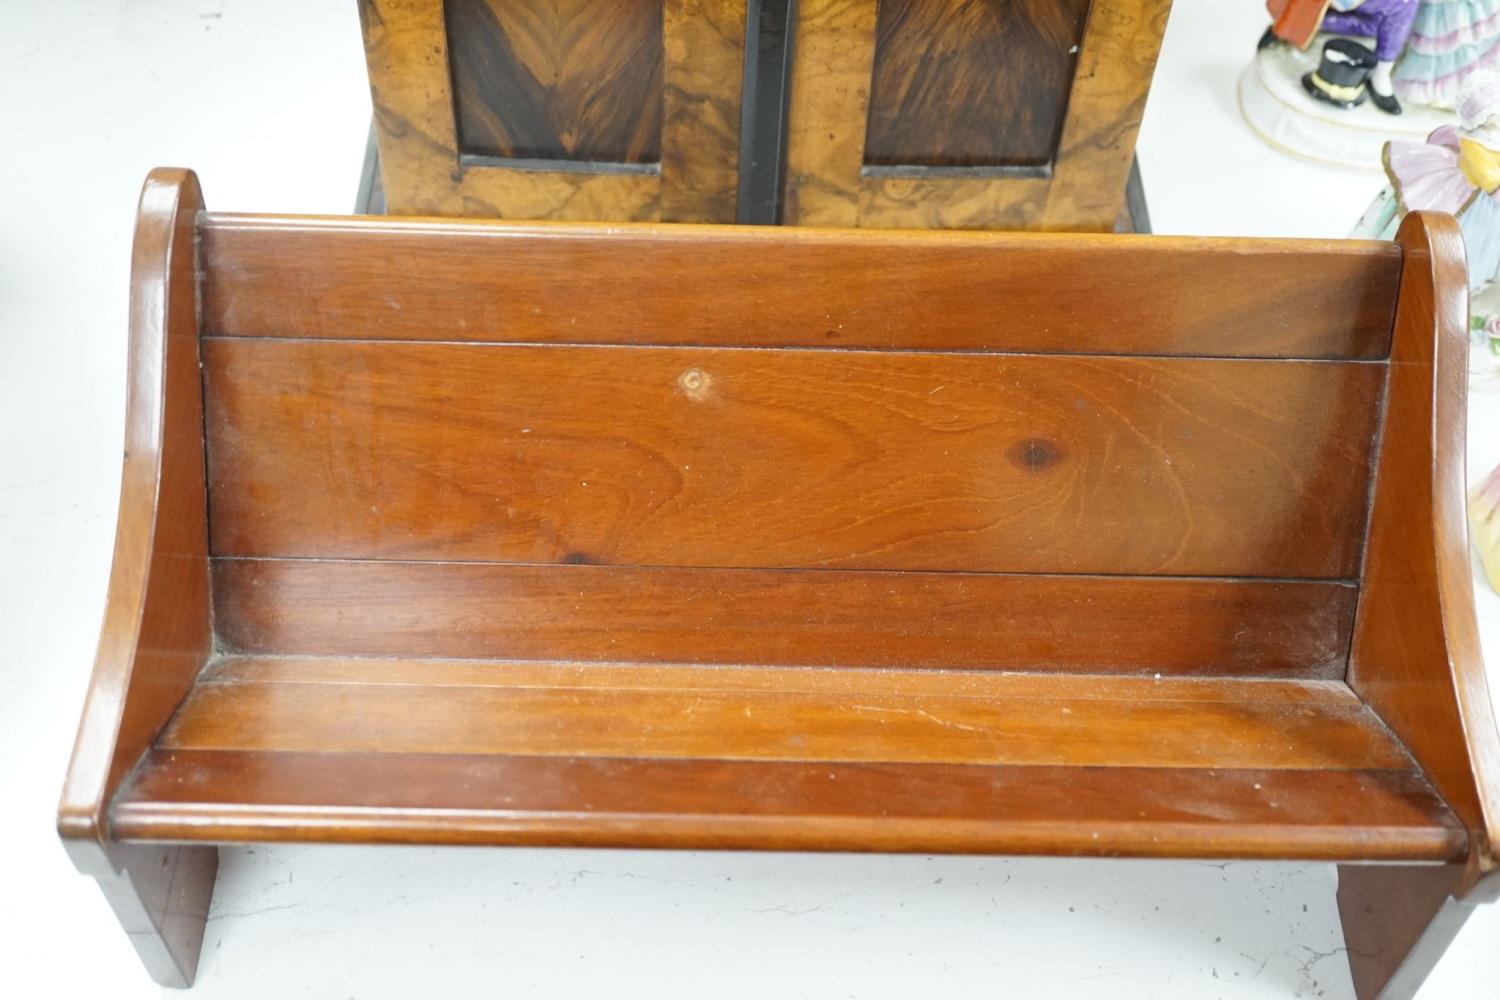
(440, 532)
(475, 752)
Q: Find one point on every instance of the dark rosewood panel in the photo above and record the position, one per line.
(971, 83)
(557, 79)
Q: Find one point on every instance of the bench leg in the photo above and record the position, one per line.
(160, 895)
(1398, 920)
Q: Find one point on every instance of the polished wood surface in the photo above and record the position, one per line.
(609, 555)
(573, 80)
(237, 796)
(411, 85)
(762, 287)
(696, 457)
(971, 83)
(1398, 920)
(867, 148)
(235, 668)
(1017, 114)
(1175, 627)
(1111, 79)
(900, 202)
(828, 110)
(700, 158)
(525, 778)
(565, 109)
(156, 634)
(1416, 657)
(760, 713)
(160, 894)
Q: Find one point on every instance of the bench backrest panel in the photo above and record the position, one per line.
(749, 286)
(764, 458)
(420, 419)
(961, 621)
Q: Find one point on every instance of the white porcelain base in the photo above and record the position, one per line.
(1279, 110)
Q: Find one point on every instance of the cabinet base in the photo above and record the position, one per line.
(370, 198)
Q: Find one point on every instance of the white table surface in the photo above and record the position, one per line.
(267, 101)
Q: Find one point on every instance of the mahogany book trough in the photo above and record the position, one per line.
(443, 532)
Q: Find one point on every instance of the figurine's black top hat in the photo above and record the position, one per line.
(1341, 74)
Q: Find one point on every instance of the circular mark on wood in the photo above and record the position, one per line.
(695, 382)
(1034, 454)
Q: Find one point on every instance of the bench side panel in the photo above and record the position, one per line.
(156, 634)
(704, 444)
(1416, 657)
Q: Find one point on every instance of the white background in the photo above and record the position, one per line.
(268, 102)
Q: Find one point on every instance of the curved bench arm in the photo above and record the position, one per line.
(157, 632)
(1416, 657)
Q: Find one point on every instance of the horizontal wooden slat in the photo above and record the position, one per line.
(793, 617)
(453, 799)
(642, 284)
(704, 457)
(239, 668)
(564, 711)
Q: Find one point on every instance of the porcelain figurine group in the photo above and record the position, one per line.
(1456, 170)
(1423, 50)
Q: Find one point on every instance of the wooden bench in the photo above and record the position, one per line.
(479, 533)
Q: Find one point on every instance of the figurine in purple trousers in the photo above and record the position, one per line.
(1389, 22)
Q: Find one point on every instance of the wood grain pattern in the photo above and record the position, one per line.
(700, 162)
(557, 79)
(1110, 82)
(751, 713)
(156, 632)
(160, 894)
(827, 183)
(1398, 920)
(828, 111)
(631, 83)
(767, 287)
(690, 121)
(1015, 203)
(406, 49)
(1416, 655)
(728, 570)
(698, 457)
(236, 668)
(971, 83)
(430, 798)
(935, 620)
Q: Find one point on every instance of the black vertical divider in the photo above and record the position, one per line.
(763, 106)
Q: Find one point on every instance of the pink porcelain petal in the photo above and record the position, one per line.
(1427, 177)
